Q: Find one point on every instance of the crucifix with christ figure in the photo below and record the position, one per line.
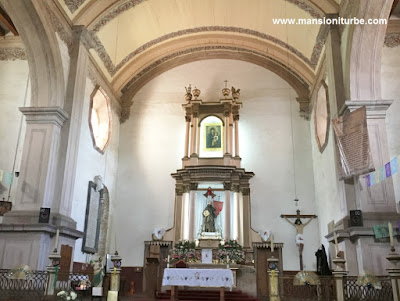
(298, 224)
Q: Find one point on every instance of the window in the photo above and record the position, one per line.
(100, 119)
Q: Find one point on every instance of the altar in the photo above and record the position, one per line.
(198, 278)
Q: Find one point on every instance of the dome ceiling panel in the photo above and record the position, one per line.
(151, 20)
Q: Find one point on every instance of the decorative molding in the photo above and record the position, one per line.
(114, 13)
(127, 101)
(132, 3)
(45, 115)
(200, 49)
(63, 33)
(113, 69)
(12, 54)
(73, 5)
(392, 40)
(307, 7)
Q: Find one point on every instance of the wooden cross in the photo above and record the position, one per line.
(298, 224)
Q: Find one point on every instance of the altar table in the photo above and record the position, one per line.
(198, 277)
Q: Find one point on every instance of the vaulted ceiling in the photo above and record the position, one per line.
(135, 40)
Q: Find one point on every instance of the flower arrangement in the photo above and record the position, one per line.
(67, 295)
(230, 249)
(186, 251)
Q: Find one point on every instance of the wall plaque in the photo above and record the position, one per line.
(92, 220)
(356, 218)
(44, 215)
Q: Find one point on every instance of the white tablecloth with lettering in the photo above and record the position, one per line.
(198, 277)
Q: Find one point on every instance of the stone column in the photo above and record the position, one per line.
(193, 138)
(227, 208)
(178, 211)
(246, 216)
(226, 135)
(237, 221)
(39, 163)
(192, 210)
(379, 197)
(230, 134)
(71, 131)
(186, 146)
(236, 122)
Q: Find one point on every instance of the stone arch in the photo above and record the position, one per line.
(363, 72)
(294, 73)
(44, 58)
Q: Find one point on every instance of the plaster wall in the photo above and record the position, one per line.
(268, 121)
(391, 90)
(14, 92)
(151, 148)
(329, 191)
(90, 164)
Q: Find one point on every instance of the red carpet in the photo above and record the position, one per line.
(203, 295)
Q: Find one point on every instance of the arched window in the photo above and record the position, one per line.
(211, 137)
(100, 119)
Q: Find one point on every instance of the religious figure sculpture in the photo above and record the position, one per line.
(298, 224)
(209, 216)
(98, 271)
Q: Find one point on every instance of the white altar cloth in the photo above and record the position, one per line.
(198, 277)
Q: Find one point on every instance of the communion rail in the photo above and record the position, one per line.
(324, 291)
(34, 287)
(355, 292)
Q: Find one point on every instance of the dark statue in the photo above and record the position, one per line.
(322, 262)
(209, 216)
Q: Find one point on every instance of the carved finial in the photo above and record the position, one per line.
(235, 93)
(188, 95)
(226, 91)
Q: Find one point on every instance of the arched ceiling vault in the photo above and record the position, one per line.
(134, 38)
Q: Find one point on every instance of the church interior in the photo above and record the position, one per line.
(143, 140)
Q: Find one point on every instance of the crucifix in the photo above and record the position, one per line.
(298, 224)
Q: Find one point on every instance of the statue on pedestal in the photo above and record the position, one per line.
(209, 215)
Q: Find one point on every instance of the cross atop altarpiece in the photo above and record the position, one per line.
(298, 224)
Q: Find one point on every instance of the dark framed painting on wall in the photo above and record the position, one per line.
(92, 220)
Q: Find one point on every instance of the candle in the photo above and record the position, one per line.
(391, 234)
(336, 243)
(168, 261)
(115, 241)
(57, 235)
(272, 243)
(227, 261)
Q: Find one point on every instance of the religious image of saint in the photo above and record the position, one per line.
(213, 139)
(209, 216)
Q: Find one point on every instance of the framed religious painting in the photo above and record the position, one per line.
(92, 220)
(212, 140)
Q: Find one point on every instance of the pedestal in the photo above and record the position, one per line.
(394, 272)
(273, 273)
(339, 273)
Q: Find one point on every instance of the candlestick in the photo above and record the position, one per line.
(272, 243)
(56, 243)
(336, 243)
(227, 261)
(168, 261)
(391, 234)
